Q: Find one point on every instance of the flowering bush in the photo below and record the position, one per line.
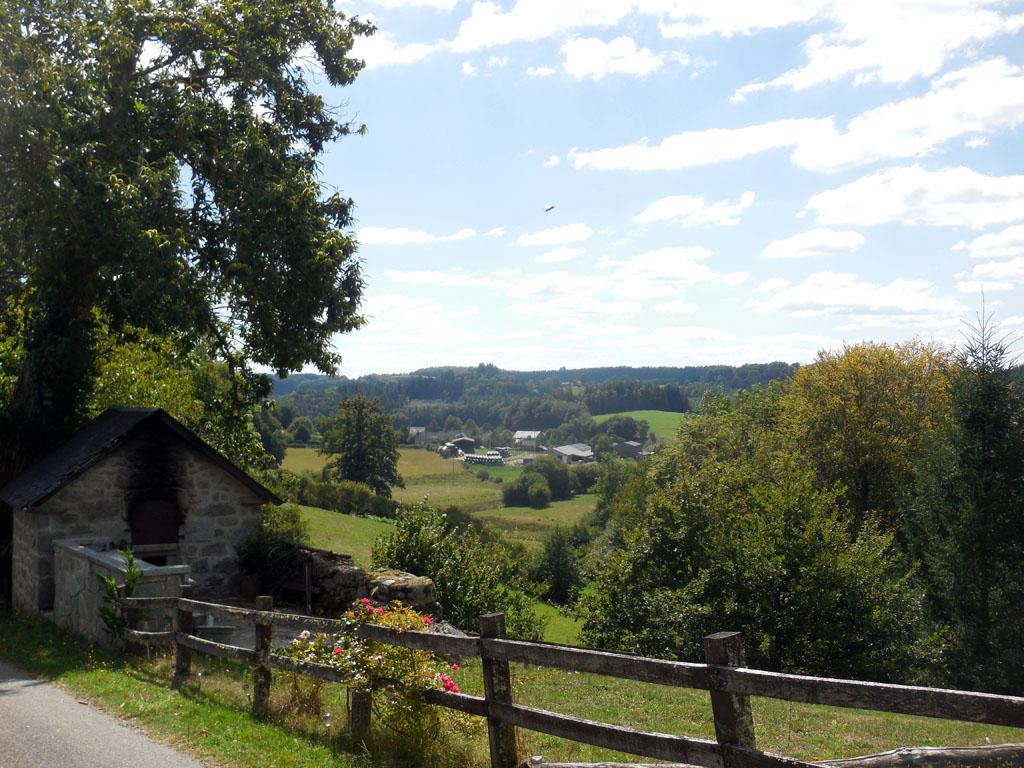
(372, 666)
(414, 731)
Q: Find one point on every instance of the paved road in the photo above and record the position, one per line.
(41, 725)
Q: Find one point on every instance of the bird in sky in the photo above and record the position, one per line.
(549, 208)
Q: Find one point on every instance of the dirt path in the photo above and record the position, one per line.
(42, 725)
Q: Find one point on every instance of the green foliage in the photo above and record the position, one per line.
(301, 430)
(557, 568)
(111, 614)
(160, 166)
(473, 573)
(584, 476)
(345, 496)
(973, 547)
(527, 490)
(275, 550)
(360, 440)
(729, 530)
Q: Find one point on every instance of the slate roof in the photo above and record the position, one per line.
(580, 450)
(97, 439)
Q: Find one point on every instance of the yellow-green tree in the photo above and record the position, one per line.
(862, 416)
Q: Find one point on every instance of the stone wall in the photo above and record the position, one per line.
(79, 596)
(219, 513)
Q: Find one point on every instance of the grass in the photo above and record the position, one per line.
(664, 424)
(303, 461)
(345, 534)
(444, 482)
(531, 526)
(210, 718)
(559, 628)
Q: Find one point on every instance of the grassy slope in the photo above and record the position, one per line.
(347, 534)
(210, 719)
(530, 526)
(301, 460)
(663, 423)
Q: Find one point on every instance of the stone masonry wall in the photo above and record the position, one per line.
(219, 513)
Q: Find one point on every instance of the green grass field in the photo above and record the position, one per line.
(303, 460)
(346, 534)
(663, 423)
(531, 526)
(210, 719)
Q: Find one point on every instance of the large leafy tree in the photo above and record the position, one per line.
(159, 166)
(361, 443)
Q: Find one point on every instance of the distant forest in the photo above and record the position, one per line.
(491, 398)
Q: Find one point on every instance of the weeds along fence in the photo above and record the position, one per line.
(723, 675)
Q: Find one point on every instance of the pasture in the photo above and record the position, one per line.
(531, 526)
(345, 534)
(664, 424)
(304, 461)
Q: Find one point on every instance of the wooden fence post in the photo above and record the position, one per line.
(261, 669)
(734, 720)
(359, 713)
(183, 655)
(498, 688)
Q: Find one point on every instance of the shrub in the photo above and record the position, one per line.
(345, 496)
(556, 474)
(539, 494)
(274, 551)
(473, 573)
(483, 475)
(527, 490)
(584, 476)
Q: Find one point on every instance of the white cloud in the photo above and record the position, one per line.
(692, 149)
(772, 284)
(468, 69)
(979, 287)
(1010, 270)
(677, 307)
(552, 161)
(489, 24)
(692, 211)
(995, 245)
(437, 5)
(451, 278)
(700, 18)
(404, 236)
(381, 50)
(569, 233)
(980, 99)
(497, 62)
(891, 41)
(836, 293)
(496, 232)
(540, 71)
(816, 242)
(594, 58)
(559, 254)
(665, 271)
(950, 197)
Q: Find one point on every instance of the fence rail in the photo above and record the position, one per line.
(729, 682)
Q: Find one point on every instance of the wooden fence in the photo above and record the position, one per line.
(730, 684)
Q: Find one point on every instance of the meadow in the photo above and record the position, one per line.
(664, 424)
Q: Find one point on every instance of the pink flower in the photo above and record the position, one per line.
(379, 611)
(427, 620)
(304, 635)
(338, 651)
(364, 600)
(448, 684)
(455, 667)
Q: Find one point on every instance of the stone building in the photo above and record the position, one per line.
(136, 478)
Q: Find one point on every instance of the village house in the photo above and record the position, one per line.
(574, 453)
(628, 449)
(132, 478)
(527, 440)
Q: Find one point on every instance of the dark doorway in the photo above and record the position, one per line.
(154, 527)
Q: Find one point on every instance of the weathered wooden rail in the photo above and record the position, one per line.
(723, 675)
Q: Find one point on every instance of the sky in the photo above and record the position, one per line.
(732, 181)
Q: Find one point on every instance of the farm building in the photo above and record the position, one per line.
(132, 478)
(629, 449)
(574, 453)
(424, 437)
(527, 440)
(464, 443)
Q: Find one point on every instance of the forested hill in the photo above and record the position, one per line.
(484, 390)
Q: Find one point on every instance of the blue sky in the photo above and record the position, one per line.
(733, 181)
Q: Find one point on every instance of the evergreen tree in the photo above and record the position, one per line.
(361, 443)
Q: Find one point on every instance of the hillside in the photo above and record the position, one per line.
(663, 423)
